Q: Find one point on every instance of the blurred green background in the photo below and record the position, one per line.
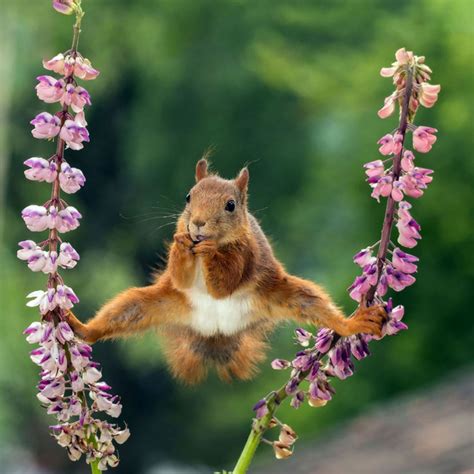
(293, 88)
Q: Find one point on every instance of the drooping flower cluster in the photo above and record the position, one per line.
(71, 386)
(384, 265)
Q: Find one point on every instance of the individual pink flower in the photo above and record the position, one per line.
(364, 257)
(408, 159)
(40, 170)
(397, 190)
(76, 97)
(428, 94)
(49, 89)
(34, 332)
(408, 228)
(51, 262)
(28, 249)
(389, 106)
(424, 138)
(70, 179)
(324, 340)
(66, 7)
(67, 219)
(65, 297)
(68, 256)
(374, 168)
(383, 187)
(359, 288)
(398, 280)
(46, 125)
(44, 299)
(404, 262)
(386, 144)
(416, 181)
(403, 57)
(303, 337)
(35, 217)
(84, 70)
(74, 132)
(397, 143)
(55, 64)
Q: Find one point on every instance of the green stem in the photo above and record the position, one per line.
(95, 467)
(260, 426)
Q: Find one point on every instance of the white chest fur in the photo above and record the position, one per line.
(210, 315)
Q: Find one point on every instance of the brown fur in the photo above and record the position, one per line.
(235, 258)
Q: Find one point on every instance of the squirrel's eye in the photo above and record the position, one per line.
(230, 206)
(188, 197)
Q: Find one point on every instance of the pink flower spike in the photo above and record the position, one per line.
(424, 138)
(70, 179)
(46, 126)
(49, 89)
(40, 170)
(386, 144)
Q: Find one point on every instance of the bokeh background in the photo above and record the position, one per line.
(290, 87)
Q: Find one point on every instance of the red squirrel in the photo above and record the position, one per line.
(222, 290)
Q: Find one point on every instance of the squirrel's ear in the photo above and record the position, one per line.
(201, 169)
(242, 180)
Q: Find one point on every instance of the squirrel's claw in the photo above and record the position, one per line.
(368, 320)
(205, 247)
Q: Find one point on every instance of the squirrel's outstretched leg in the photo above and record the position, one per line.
(133, 311)
(304, 301)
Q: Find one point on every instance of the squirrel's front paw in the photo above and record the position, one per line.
(183, 241)
(368, 320)
(205, 247)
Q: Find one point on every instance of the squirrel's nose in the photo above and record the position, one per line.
(198, 223)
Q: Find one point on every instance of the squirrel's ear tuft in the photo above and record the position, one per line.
(242, 180)
(201, 169)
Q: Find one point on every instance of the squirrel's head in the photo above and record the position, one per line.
(216, 208)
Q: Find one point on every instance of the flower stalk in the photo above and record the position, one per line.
(327, 355)
(70, 386)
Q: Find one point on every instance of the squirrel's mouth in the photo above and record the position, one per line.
(199, 238)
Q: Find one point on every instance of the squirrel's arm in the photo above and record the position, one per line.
(132, 311)
(291, 297)
(224, 268)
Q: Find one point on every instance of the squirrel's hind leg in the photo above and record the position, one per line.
(133, 311)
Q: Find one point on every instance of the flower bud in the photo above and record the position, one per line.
(287, 435)
(282, 451)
